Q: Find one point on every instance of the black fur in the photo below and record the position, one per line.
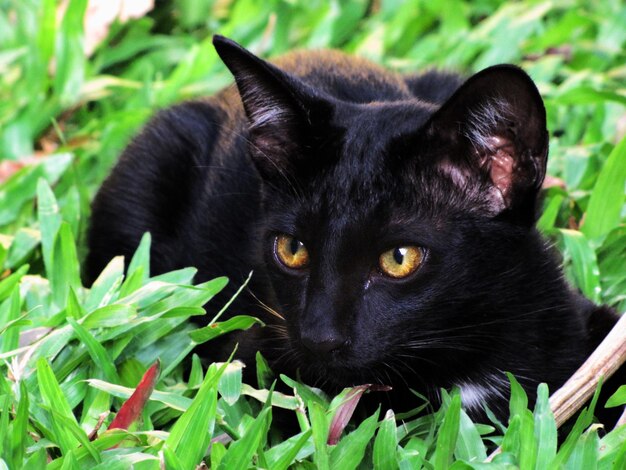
(353, 160)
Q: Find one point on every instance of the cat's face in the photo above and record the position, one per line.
(388, 225)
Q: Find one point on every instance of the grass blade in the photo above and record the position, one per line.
(240, 452)
(447, 437)
(386, 444)
(349, 452)
(190, 436)
(607, 198)
(54, 399)
(584, 263)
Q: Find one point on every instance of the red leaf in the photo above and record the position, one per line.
(346, 409)
(132, 408)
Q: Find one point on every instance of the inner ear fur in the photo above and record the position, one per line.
(496, 124)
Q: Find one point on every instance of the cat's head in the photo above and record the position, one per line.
(395, 229)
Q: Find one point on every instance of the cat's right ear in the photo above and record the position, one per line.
(281, 110)
(495, 129)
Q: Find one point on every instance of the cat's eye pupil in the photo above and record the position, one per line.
(291, 252)
(398, 255)
(401, 261)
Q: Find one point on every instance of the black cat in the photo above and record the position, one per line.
(389, 221)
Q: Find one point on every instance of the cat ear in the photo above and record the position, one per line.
(278, 106)
(494, 128)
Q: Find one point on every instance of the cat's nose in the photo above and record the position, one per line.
(324, 345)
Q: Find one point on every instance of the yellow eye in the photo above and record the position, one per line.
(401, 261)
(291, 252)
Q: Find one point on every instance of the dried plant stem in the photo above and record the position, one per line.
(604, 361)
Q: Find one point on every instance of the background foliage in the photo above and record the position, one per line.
(70, 354)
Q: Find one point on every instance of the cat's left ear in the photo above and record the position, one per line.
(283, 112)
(495, 129)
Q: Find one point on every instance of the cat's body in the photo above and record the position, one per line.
(355, 161)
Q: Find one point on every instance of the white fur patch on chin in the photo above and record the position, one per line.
(475, 393)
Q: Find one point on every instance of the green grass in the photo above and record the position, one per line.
(70, 355)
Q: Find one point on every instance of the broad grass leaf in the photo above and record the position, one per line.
(606, 204)
(585, 418)
(46, 31)
(618, 398)
(180, 276)
(386, 444)
(104, 442)
(185, 312)
(196, 374)
(98, 353)
(70, 426)
(10, 320)
(413, 454)
(54, 399)
(52, 343)
(214, 330)
(69, 463)
(218, 451)
(70, 58)
(38, 459)
(283, 455)
(518, 402)
(308, 394)
(171, 459)
(547, 220)
(240, 452)
(350, 450)
(6, 402)
(20, 429)
(106, 284)
(109, 316)
(585, 94)
(183, 296)
(141, 258)
(264, 375)
(319, 429)
(584, 263)
(545, 429)
(74, 309)
(613, 449)
(8, 284)
(133, 281)
(96, 404)
(22, 247)
(511, 441)
(70, 207)
(18, 190)
(469, 445)
(49, 222)
(585, 455)
(123, 460)
(447, 435)
(229, 385)
(528, 444)
(190, 436)
(278, 399)
(65, 273)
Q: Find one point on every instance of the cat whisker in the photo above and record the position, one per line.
(266, 307)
